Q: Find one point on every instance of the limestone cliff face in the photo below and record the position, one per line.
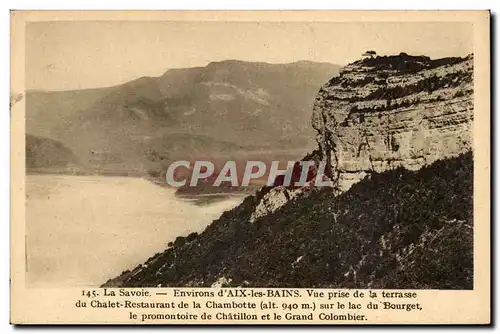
(398, 111)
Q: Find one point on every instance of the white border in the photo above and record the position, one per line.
(187, 4)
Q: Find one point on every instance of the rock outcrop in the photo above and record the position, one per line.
(398, 111)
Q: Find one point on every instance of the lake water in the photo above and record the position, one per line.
(83, 230)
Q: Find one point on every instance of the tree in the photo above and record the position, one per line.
(369, 53)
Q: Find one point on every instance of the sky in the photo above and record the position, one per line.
(88, 54)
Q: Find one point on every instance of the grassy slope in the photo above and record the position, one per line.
(397, 229)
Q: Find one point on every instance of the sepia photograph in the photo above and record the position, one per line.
(286, 154)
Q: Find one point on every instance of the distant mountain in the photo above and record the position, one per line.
(384, 112)
(225, 107)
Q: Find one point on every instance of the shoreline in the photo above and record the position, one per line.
(182, 196)
(82, 173)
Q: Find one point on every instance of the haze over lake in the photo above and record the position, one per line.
(83, 230)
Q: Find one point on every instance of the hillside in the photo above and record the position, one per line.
(234, 106)
(44, 153)
(396, 229)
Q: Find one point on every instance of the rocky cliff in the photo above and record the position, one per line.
(388, 112)
(398, 111)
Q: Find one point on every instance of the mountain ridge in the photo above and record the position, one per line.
(255, 101)
(305, 61)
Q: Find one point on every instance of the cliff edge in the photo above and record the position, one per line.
(394, 111)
